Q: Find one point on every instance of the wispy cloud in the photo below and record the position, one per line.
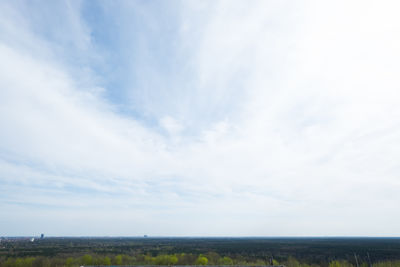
(199, 118)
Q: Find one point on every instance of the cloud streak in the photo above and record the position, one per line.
(207, 118)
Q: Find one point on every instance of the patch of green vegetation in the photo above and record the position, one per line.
(202, 251)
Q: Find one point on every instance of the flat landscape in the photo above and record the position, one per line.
(219, 133)
(59, 251)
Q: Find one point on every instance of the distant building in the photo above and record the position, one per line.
(41, 236)
(32, 239)
(145, 236)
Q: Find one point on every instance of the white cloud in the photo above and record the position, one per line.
(286, 123)
(171, 125)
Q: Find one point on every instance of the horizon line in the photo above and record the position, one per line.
(188, 236)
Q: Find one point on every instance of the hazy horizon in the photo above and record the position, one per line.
(202, 237)
(199, 118)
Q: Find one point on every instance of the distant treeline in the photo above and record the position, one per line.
(210, 258)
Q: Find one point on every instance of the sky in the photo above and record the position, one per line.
(199, 118)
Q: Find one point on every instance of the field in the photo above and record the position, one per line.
(58, 251)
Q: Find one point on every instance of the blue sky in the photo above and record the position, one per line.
(199, 118)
